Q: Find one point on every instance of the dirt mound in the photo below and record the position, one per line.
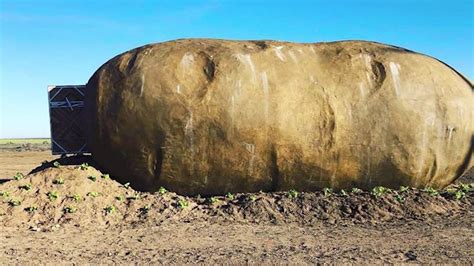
(80, 195)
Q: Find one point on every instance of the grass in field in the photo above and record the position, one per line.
(25, 141)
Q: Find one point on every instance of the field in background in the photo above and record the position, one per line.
(22, 155)
(26, 141)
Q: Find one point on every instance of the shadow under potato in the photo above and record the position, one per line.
(467, 177)
(67, 160)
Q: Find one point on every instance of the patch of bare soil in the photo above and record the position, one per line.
(12, 162)
(73, 212)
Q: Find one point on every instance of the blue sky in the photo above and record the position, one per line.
(64, 42)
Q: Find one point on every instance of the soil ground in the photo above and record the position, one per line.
(111, 223)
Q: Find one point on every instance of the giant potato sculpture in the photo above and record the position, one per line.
(215, 116)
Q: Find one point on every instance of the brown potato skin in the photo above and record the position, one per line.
(201, 116)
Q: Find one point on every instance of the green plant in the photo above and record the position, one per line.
(18, 176)
(58, 181)
(120, 198)
(84, 166)
(431, 191)
(76, 197)
(126, 185)
(182, 203)
(70, 209)
(327, 191)
(252, 198)
(162, 190)
(229, 196)
(56, 164)
(213, 200)
(92, 178)
(450, 191)
(109, 209)
(4, 194)
(379, 191)
(456, 193)
(356, 190)
(145, 208)
(399, 198)
(403, 189)
(105, 176)
(466, 188)
(343, 193)
(32, 208)
(293, 194)
(26, 187)
(52, 195)
(14, 203)
(459, 194)
(134, 196)
(92, 194)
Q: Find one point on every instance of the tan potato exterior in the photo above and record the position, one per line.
(215, 116)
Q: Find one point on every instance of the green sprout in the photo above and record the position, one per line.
(456, 193)
(404, 189)
(213, 200)
(229, 196)
(162, 190)
(84, 166)
(105, 176)
(76, 197)
(431, 191)
(293, 194)
(343, 193)
(356, 190)
(70, 209)
(56, 164)
(120, 198)
(466, 188)
(14, 203)
(145, 208)
(25, 187)
(399, 198)
(92, 178)
(327, 191)
(451, 191)
(379, 191)
(93, 194)
(4, 194)
(18, 176)
(110, 209)
(182, 203)
(253, 198)
(52, 195)
(58, 181)
(459, 194)
(135, 196)
(126, 185)
(31, 208)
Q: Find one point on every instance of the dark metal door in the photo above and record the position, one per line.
(66, 103)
